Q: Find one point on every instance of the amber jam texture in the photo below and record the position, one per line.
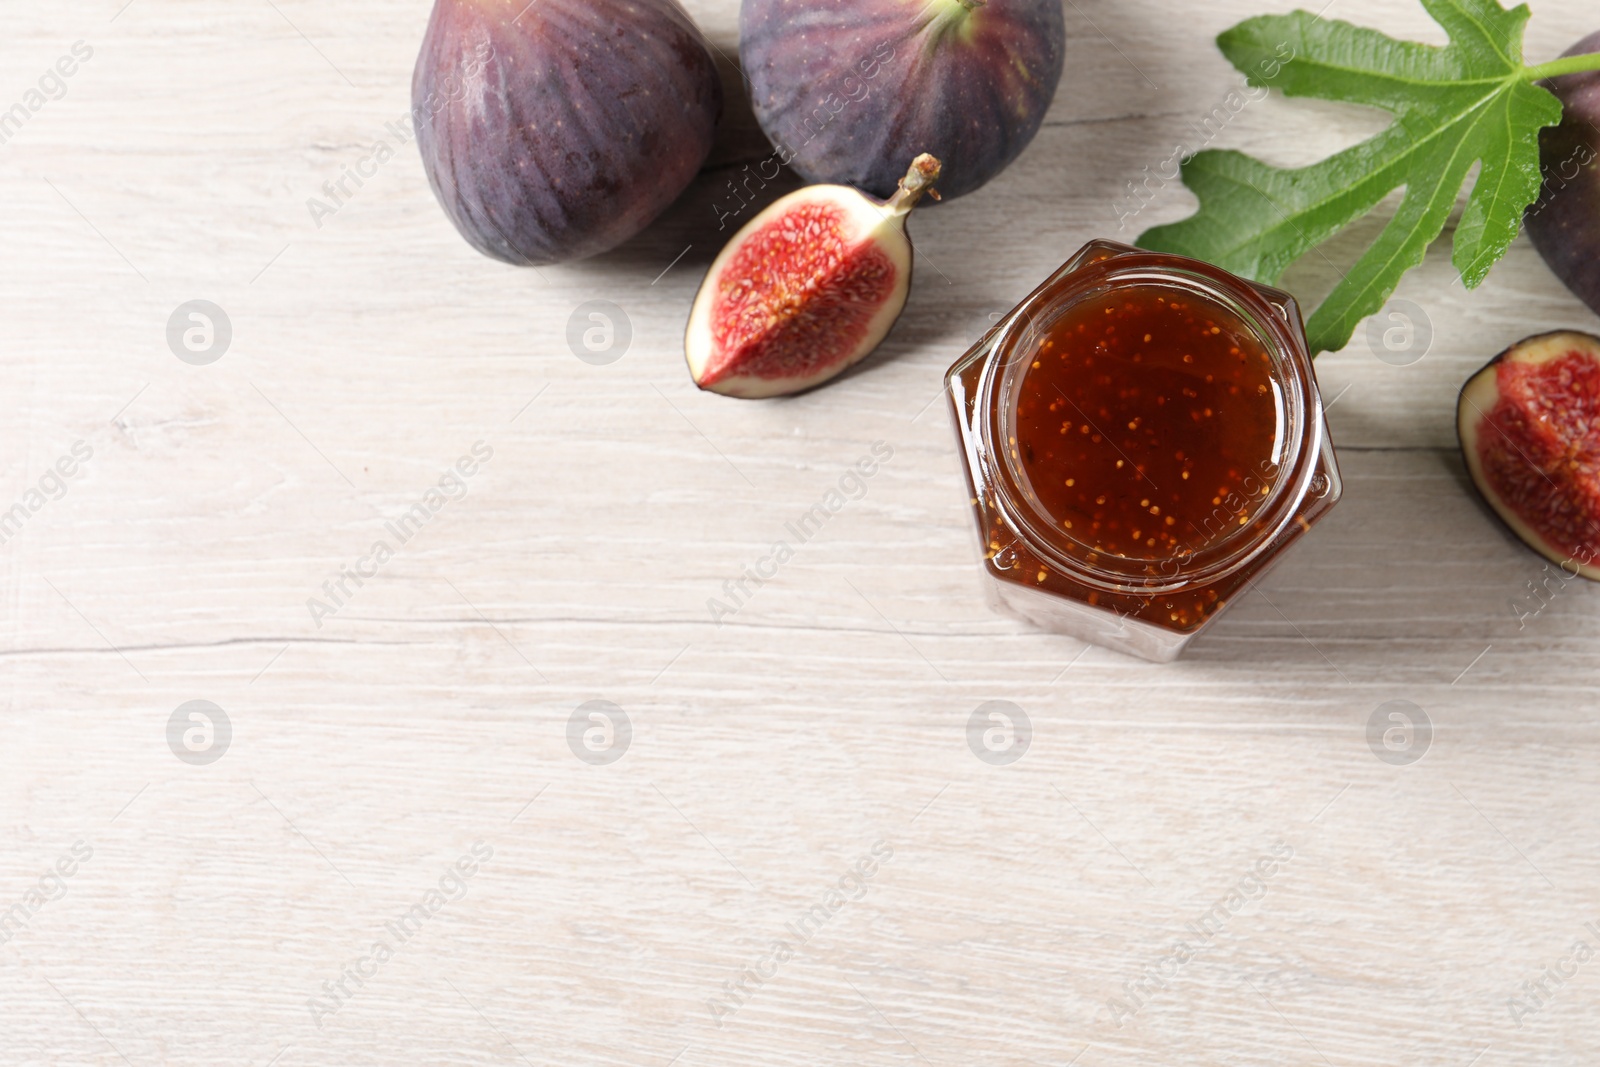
(1143, 438)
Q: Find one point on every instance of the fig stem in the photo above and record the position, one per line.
(918, 180)
(1566, 65)
(940, 17)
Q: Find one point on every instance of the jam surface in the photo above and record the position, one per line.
(1148, 423)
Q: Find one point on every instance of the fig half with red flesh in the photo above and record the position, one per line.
(807, 288)
(1529, 424)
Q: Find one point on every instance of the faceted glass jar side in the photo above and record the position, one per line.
(1032, 574)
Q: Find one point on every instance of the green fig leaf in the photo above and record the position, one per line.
(1472, 102)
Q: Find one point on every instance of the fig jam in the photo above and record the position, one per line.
(1144, 437)
(1139, 412)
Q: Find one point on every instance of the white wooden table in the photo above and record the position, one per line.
(768, 755)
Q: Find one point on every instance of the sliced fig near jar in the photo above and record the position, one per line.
(1564, 222)
(847, 90)
(807, 288)
(1529, 424)
(556, 130)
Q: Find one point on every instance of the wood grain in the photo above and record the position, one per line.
(770, 753)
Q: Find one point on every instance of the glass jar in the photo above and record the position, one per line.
(1191, 449)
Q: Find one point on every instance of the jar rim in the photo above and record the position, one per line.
(1269, 315)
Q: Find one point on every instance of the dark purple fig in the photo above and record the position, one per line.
(1564, 222)
(848, 90)
(558, 129)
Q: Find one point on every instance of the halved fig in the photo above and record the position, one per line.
(1529, 424)
(809, 287)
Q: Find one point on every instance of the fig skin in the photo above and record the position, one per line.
(1557, 481)
(556, 130)
(848, 90)
(1564, 223)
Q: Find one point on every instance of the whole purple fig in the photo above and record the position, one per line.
(558, 129)
(1564, 223)
(849, 90)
